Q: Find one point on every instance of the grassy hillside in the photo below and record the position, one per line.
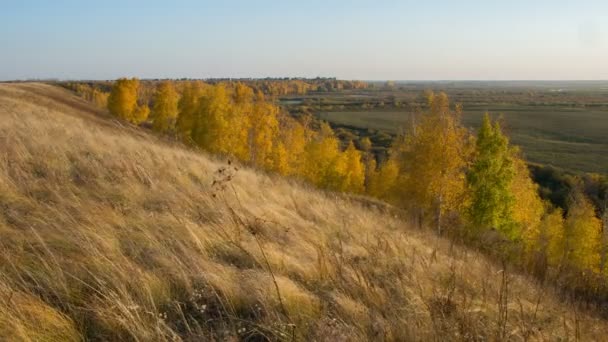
(109, 233)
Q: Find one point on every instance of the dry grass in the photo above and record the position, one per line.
(108, 233)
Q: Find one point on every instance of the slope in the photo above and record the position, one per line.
(110, 233)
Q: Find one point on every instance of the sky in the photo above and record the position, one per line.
(356, 39)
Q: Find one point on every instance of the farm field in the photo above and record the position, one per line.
(569, 138)
(566, 129)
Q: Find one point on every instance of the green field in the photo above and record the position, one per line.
(571, 138)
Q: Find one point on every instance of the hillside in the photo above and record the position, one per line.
(110, 233)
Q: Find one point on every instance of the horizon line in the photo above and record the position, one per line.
(57, 79)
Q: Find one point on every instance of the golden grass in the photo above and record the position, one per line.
(109, 233)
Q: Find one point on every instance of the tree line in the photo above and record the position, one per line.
(235, 120)
(296, 86)
(476, 187)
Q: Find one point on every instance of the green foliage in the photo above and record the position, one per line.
(489, 182)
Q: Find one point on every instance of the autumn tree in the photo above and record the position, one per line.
(210, 126)
(187, 108)
(384, 183)
(528, 208)
(90, 93)
(322, 165)
(122, 101)
(233, 119)
(280, 158)
(354, 170)
(100, 98)
(433, 158)
(243, 94)
(294, 137)
(583, 234)
(164, 110)
(262, 132)
(553, 236)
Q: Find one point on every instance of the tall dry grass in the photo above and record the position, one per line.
(108, 233)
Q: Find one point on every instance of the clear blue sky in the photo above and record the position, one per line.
(401, 40)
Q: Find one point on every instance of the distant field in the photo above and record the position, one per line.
(571, 138)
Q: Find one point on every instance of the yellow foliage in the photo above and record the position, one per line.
(552, 226)
(90, 93)
(280, 159)
(383, 182)
(211, 127)
(527, 209)
(322, 164)
(262, 133)
(433, 158)
(243, 94)
(354, 170)
(293, 136)
(187, 107)
(583, 234)
(122, 101)
(164, 110)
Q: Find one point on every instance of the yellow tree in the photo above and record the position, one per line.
(234, 140)
(384, 182)
(294, 138)
(280, 158)
(164, 110)
(210, 127)
(322, 165)
(100, 98)
(122, 101)
(187, 108)
(263, 131)
(226, 121)
(354, 170)
(583, 234)
(243, 94)
(434, 156)
(553, 236)
(527, 210)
